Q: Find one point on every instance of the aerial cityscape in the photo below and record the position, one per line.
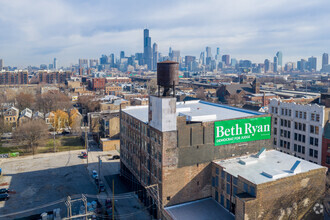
(178, 111)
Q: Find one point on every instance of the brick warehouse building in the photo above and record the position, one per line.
(168, 149)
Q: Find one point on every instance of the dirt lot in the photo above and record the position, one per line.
(41, 180)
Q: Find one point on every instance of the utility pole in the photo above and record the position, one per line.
(113, 199)
(86, 143)
(100, 161)
(54, 134)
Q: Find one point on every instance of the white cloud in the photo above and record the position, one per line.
(35, 31)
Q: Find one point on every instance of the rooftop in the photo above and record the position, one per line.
(267, 166)
(199, 210)
(197, 111)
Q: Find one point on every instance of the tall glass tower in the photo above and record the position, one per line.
(147, 54)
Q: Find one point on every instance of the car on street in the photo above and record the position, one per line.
(101, 186)
(94, 174)
(97, 181)
(4, 190)
(83, 155)
(4, 196)
(115, 157)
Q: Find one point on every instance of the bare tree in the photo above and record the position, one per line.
(235, 100)
(152, 86)
(200, 93)
(24, 100)
(4, 127)
(32, 134)
(89, 103)
(52, 101)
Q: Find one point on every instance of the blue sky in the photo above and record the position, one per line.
(36, 31)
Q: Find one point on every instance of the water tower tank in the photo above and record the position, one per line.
(167, 73)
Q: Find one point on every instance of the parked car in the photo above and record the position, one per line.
(83, 155)
(115, 157)
(97, 181)
(95, 175)
(101, 186)
(4, 196)
(4, 190)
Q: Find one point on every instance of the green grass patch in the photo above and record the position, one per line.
(62, 143)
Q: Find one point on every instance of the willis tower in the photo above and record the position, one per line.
(147, 54)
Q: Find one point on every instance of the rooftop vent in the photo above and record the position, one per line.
(296, 168)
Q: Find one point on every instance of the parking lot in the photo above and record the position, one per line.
(43, 180)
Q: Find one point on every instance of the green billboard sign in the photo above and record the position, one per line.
(242, 130)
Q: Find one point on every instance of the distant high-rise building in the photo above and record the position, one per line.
(325, 60)
(112, 60)
(279, 56)
(1, 64)
(225, 59)
(267, 65)
(83, 63)
(176, 56)
(208, 52)
(217, 56)
(154, 56)
(275, 64)
(189, 61)
(55, 64)
(93, 63)
(312, 63)
(104, 59)
(202, 58)
(147, 48)
(233, 62)
(122, 54)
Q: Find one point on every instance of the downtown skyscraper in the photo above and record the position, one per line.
(147, 53)
(325, 60)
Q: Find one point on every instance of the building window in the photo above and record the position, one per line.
(252, 191)
(317, 117)
(312, 117)
(316, 153)
(289, 112)
(216, 196)
(234, 180)
(310, 152)
(295, 147)
(213, 181)
(327, 160)
(303, 150)
(246, 187)
(305, 115)
(228, 188)
(216, 181)
(222, 200)
(228, 204)
(222, 174)
(235, 188)
(217, 170)
(275, 121)
(228, 177)
(311, 141)
(296, 114)
(316, 141)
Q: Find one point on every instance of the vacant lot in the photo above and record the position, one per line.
(62, 143)
(43, 179)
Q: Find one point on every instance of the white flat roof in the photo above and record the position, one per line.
(203, 209)
(197, 111)
(272, 166)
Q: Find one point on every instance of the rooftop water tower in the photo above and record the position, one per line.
(167, 77)
(162, 109)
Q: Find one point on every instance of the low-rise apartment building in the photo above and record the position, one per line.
(298, 129)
